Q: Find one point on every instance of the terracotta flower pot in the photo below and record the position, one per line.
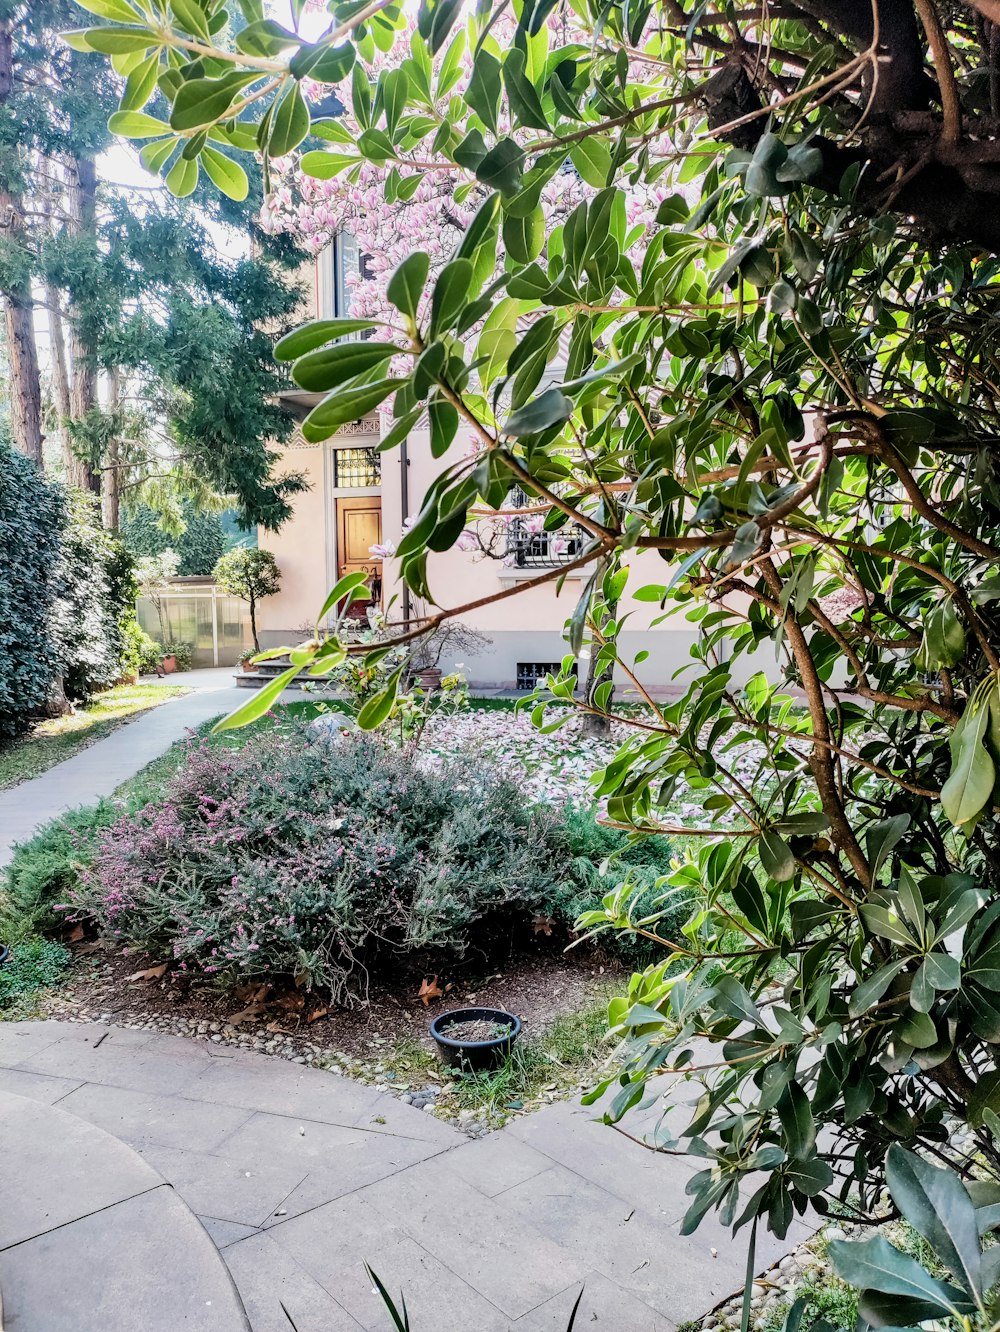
(169, 665)
(429, 679)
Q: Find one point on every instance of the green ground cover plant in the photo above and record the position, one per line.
(34, 964)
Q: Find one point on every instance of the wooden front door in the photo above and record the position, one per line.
(359, 527)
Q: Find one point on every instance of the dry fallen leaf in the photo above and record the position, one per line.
(317, 1014)
(151, 973)
(429, 989)
(543, 924)
(276, 1029)
(76, 934)
(245, 1014)
(292, 1003)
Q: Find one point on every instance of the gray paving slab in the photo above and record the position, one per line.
(302, 1175)
(565, 1132)
(496, 1162)
(20, 1040)
(268, 1277)
(37, 1086)
(66, 1169)
(386, 1114)
(100, 768)
(334, 1242)
(134, 1066)
(515, 1266)
(142, 1263)
(230, 1187)
(679, 1277)
(262, 1083)
(224, 1233)
(140, 1118)
(603, 1306)
(330, 1160)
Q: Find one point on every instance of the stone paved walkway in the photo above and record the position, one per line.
(301, 1175)
(97, 770)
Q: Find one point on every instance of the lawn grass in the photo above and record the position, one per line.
(58, 738)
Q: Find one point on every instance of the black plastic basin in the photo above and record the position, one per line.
(4, 954)
(472, 1055)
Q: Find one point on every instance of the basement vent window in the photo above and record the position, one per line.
(529, 673)
(356, 469)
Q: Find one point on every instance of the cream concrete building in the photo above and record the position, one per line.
(359, 497)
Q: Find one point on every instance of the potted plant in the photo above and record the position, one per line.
(452, 638)
(246, 659)
(475, 1038)
(179, 654)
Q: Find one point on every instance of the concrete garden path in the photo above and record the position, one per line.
(97, 770)
(300, 1176)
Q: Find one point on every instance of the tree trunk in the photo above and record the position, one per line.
(18, 305)
(60, 376)
(111, 473)
(81, 179)
(253, 624)
(593, 723)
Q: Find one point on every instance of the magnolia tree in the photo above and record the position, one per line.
(784, 385)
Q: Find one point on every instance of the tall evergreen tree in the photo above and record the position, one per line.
(142, 300)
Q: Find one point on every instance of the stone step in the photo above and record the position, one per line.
(265, 672)
(93, 1239)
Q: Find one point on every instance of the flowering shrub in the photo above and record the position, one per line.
(312, 857)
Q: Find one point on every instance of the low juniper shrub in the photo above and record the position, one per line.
(311, 857)
(596, 859)
(45, 870)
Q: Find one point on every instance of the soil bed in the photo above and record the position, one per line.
(477, 1029)
(536, 985)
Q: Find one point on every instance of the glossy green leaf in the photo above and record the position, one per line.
(407, 284)
(290, 123)
(341, 589)
(259, 703)
(137, 125)
(776, 856)
(182, 178)
(450, 296)
(378, 709)
(549, 409)
(937, 1206)
(322, 370)
(973, 774)
(204, 101)
(343, 405)
(318, 334)
(118, 11)
(524, 236)
(874, 1264)
(228, 175)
